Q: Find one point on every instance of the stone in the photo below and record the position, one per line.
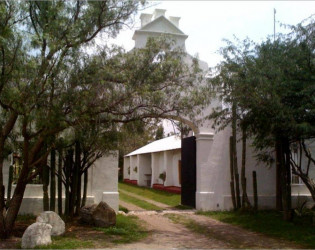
(37, 234)
(101, 215)
(50, 217)
(86, 214)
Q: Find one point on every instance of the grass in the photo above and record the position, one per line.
(65, 242)
(124, 209)
(137, 202)
(128, 229)
(270, 223)
(170, 199)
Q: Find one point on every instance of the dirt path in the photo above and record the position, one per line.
(164, 233)
(167, 235)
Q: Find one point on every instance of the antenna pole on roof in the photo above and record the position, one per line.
(274, 24)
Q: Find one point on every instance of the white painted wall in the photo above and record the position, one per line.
(175, 159)
(145, 171)
(155, 164)
(102, 186)
(126, 175)
(105, 181)
(133, 164)
(168, 166)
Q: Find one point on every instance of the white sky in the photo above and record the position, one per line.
(208, 22)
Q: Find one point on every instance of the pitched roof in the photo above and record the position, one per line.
(155, 27)
(168, 143)
(162, 19)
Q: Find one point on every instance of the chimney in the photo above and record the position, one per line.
(158, 12)
(145, 19)
(174, 20)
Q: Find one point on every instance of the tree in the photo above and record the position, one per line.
(60, 87)
(159, 133)
(270, 89)
(231, 73)
(278, 99)
(54, 32)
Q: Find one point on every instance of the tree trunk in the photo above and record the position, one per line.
(287, 153)
(284, 163)
(75, 181)
(60, 182)
(52, 180)
(10, 181)
(255, 191)
(245, 200)
(4, 132)
(235, 165)
(45, 187)
(232, 186)
(279, 205)
(68, 169)
(18, 194)
(78, 196)
(78, 175)
(2, 218)
(85, 188)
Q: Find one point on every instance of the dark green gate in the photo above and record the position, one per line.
(188, 171)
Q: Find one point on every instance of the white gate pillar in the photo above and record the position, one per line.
(204, 194)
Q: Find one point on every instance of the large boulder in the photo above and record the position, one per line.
(37, 234)
(50, 217)
(101, 215)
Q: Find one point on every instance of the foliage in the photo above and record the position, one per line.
(40, 41)
(50, 86)
(159, 133)
(272, 84)
(162, 176)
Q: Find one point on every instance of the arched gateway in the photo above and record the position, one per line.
(212, 175)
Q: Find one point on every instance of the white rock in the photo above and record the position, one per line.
(50, 217)
(37, 234)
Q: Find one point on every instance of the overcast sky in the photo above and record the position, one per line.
(208, 22)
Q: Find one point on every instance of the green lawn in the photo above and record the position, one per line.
(270, 223)
(137, 202)
(170, 199)
(128, 229)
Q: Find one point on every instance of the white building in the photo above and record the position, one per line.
(146, 166)
(212, 149)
